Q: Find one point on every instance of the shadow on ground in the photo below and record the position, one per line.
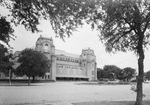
(111, 103)
(23, 82)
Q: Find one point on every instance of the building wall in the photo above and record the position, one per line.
(70, 71)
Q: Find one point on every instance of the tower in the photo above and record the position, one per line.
(88, 61)
(46, 46)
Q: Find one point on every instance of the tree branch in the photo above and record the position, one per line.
(124, 33)
(147, 19)
(131, 26)
(146, 25)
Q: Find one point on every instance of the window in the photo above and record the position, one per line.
(46, 47)
(46, 44)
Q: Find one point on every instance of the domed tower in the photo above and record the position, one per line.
(88, 61)
(46, 46)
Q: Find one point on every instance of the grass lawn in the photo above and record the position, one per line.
(111, 103)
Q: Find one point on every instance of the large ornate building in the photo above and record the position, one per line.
(65, 65)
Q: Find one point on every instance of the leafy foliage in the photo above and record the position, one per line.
(6, 31)
(5, 63)
(64, 15)
(114, 72)
(109, 72)
(121, 23)
(100, 73)
(32, 63)
(127, 73)
(3, 57)
(147, 75)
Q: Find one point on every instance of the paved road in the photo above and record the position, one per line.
(65, 93)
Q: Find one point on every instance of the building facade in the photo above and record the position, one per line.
(64, 65)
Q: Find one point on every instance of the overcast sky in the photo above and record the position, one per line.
(81, 39)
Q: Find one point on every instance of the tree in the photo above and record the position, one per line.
(125, 26)
(112, 71)
(6, 66)
(6, 33)
(3, 57)
(32, 63)
(129, 73)
(121, 75)
(100, 73)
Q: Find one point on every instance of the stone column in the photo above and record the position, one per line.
(95, 70)
(89, 72)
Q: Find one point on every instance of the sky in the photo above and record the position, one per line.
(82, 39)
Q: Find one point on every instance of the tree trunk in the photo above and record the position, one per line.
(33, 78)
(139, 82)
(29, 80)
(10, 76)
(140, 51)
